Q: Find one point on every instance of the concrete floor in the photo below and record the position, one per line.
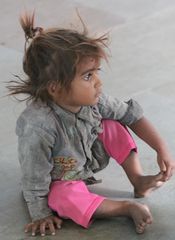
(142, 66)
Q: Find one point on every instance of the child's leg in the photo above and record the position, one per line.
(72, 200)
(138, 212)
(120, 145)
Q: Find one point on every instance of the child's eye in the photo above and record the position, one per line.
(88, 76)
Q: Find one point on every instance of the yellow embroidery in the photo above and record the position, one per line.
(67, 163)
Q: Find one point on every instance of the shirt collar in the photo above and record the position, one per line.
(66, 115)
(84, 113)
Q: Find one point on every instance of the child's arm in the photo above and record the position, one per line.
(130, 113)
(147, 132)
(35, 156)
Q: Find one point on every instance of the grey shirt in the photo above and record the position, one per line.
(50, 137)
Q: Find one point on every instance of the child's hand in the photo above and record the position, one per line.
(166, 164)
(43, 224)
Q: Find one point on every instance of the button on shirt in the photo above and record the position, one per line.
(55, 144)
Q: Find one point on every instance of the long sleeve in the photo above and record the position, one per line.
(34, 150)
(125, 112)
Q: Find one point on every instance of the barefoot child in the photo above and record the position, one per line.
(71, 128)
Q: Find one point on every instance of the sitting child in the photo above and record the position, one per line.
(71, 128)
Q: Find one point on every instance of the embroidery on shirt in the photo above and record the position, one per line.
(64, 167)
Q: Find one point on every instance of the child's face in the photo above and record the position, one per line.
(85, 88)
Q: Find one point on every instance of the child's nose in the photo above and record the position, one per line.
(98, 82)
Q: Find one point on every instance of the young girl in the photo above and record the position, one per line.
(70, 130)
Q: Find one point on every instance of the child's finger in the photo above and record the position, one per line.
(168, 173)
(28, 227)
(52, 228)
(58, 222)
(162, 166)
(43, 228)
(34, 229)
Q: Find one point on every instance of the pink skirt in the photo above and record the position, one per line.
(72, 199)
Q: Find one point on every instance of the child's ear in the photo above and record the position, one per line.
(53, 88)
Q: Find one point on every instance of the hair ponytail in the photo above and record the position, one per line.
(27, 24)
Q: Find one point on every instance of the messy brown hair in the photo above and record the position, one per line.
(53, 55)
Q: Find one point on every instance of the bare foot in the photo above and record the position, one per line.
(147, 184)
(141, 216)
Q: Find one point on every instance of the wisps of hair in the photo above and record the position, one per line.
(85, 30)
